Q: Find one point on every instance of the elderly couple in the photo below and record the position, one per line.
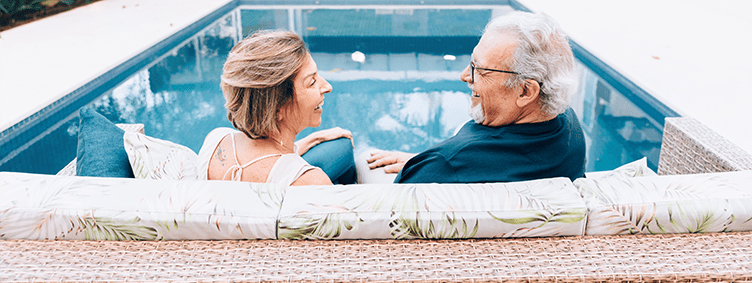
(521, 75)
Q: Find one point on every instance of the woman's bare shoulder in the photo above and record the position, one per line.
(225, 157)
(315, 176)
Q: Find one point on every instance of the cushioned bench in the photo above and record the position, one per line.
(495, 229)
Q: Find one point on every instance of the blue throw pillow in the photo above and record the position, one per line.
(100, 151)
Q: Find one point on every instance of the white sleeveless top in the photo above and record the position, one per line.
(288, 168)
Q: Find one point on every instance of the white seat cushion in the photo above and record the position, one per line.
(715, 202)
(547, 207)
(45, 207)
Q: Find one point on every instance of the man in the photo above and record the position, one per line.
(521, 76)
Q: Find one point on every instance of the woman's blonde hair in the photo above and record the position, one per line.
(258, 79)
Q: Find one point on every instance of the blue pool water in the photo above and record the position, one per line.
(405, 96)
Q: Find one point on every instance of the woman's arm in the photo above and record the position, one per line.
(312, 177)
(318, 137)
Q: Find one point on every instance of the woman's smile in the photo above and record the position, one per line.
(320, 106)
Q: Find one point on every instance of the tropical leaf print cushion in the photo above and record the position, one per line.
(45, 207)
(697, 203)
(156, 159)
(547, 207)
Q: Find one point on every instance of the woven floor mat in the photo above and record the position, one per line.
(665, 258)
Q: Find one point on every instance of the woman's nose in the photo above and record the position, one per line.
(327, 88)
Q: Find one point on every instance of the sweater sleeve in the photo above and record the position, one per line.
(427, 167)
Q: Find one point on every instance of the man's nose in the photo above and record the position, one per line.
(465, 75)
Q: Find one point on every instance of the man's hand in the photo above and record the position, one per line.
(392, 161)
(318, 137)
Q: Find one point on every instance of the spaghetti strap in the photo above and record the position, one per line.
(236, 170)
(288, 168)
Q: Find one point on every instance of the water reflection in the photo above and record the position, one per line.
(616, 130)
(404, 95)
(394, 99)
(396, 115)
(178, 97)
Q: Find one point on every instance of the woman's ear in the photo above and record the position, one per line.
(530, 92)
(281, 112)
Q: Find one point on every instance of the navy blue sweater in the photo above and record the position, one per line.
(518, 152)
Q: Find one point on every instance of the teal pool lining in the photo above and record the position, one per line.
(20, 134)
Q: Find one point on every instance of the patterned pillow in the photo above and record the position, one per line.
(156, 159)
(637, 168)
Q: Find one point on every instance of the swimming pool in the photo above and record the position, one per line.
(405, 94)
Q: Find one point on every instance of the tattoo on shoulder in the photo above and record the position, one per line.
(221, 155)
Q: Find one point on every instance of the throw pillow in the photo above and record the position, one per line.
(637, 168)
(100, 151)
(156, 159)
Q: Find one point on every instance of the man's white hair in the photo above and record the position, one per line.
(542, 54)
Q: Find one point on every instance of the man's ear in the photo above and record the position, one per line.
(529, 94)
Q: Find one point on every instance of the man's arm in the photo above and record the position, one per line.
(427, 167)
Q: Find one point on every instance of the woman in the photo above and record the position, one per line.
(273, 91)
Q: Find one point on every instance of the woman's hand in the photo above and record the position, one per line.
(392, 161)
(318, 137)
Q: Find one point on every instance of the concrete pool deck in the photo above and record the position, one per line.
(691, 55)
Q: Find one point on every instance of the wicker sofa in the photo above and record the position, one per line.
(431, 232)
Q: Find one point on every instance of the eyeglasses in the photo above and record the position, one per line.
(472, 71)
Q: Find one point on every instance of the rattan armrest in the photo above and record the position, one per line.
(70, 169)
(689, 147)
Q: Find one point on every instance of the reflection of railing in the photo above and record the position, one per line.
(637, 135)
(225, 27)
(607, 116)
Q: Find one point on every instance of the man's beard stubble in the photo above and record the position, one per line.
(476, 112)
